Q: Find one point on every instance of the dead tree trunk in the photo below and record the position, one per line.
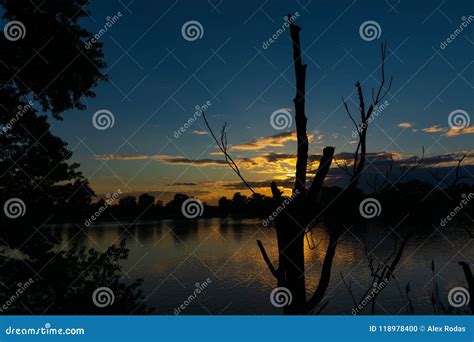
(292, 223)
(295, 217)
(470, 283)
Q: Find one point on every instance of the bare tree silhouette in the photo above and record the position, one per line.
(467, 270)
(293, 219)
(442, 180)
(366, 115)
(381, 272)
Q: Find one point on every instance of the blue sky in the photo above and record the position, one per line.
(157, 78)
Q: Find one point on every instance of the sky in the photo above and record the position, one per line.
(157, 77)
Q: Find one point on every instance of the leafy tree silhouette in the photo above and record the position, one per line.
(49, 71)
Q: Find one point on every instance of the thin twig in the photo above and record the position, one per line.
(223, 147)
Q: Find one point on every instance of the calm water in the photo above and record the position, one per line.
(172, 256)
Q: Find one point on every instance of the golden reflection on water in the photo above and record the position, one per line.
(223, 247)
(172, 254)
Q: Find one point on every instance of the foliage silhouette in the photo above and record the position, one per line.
(49, 71)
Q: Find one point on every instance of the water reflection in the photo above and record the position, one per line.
(171, 256)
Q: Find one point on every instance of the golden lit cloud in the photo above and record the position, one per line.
(455, 132)
(277, 140)
(261, 169)
(406, 124)
(433, 129)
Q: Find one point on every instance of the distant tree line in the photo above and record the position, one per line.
(420, 200)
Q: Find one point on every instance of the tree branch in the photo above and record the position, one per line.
(470, 283)
(267, 259)
(223, 147)
(325, 271)
(323, 168)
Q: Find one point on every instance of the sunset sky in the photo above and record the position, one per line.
(157, 78)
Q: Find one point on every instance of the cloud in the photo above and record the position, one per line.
(433, 129)
(276, 140)
(282, 165)
(181, 184)
(265, 167)
(199, 132)
(406, 124)
(453, 132)
(166, 159)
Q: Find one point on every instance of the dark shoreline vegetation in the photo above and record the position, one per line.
(416, 200)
